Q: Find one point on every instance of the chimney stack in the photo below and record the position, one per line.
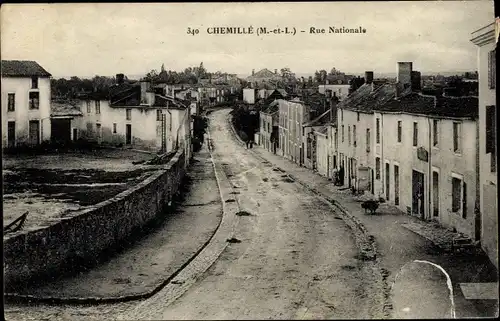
(275, 71)
(416, 81)
(405, 74)
(146, 95)
(253, 72)
(120, 78)
(368, 77)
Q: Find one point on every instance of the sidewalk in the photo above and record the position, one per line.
(399, 241)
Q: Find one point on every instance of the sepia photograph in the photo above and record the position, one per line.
(249, 160)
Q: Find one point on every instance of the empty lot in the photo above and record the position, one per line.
(47, 186)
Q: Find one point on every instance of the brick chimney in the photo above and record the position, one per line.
(368, 77)
(120, 78)
(405, 74)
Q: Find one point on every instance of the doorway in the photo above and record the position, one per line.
(34, 132)
(11, 134)
(418, 199)
(99, 133)
(387, 181)
(396, 185)
(128, 134)
(75, 134)
(435, 194)
(372, 182)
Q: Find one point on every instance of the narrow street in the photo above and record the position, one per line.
(295, 259)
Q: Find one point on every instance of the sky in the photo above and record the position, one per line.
(88, 39)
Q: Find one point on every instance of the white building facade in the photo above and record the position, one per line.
(484, 39)
(26, 97)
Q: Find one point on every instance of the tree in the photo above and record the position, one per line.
(320, 76)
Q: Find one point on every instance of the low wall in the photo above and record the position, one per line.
(84, 234)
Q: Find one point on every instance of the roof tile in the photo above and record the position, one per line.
(23, 68)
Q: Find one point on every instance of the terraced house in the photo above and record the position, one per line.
(25, 103)
(356, 133)
(269, 126)
(426, 158)
(139, 116)
(292, 115)
(484, 39)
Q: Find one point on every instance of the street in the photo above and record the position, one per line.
(295, 259)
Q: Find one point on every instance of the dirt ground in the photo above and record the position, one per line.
(47, 186)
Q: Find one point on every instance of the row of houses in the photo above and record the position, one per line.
(133, 114)
(433, 157)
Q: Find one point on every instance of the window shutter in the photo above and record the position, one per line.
(490, 129)
(489, 69)
(464, 201)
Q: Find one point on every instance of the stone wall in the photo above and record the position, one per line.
(84, 234)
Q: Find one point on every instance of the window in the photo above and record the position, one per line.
(400, 130)
(158, 115)
(89, 110)
(34, 82)
(377, 168)
(354, 135)
(435, 132)
(342, 133)
(377, 131)
(336, 140)
(128, 114)
(34, 100)
(415, 134)
(456, 137)
(457, 200)
(349, 135)
(97, 107)
(492, 69)
(114, 128)
(341, 115)
(491, 135)
(368, 138)
(357, 115)
(11, 102)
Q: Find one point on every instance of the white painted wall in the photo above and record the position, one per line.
(488, 179)
(249, 95)
(21, 87)
(442, 159)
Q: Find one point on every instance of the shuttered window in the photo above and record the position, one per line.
(456, 197)
(491, 135)
(492, 69)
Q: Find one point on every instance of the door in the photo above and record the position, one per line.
(396, 184)
(387, 181)
(34, 132)
(99, 133)
(128, 134)
(11, 134)
(372, 184)
(418, 199)
(435, 194)
(75, 134)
